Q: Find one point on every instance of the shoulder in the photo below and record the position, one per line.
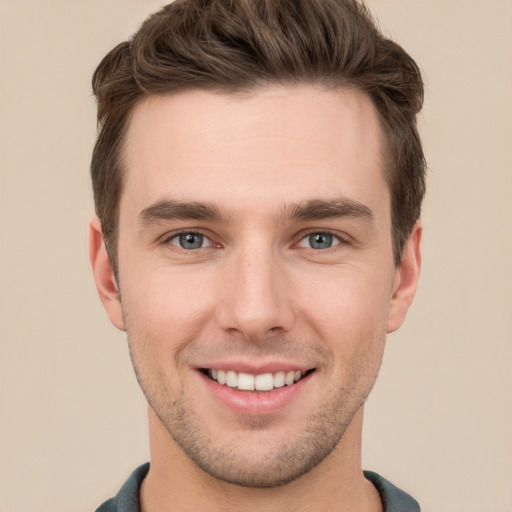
(393, 498)
(127, 499)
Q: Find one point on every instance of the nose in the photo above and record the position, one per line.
(256, 299)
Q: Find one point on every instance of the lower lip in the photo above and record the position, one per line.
(255, 403)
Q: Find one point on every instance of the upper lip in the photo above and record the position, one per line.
(254, 368)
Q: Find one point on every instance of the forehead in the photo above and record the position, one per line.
(280, 144)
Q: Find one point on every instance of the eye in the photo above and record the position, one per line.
(190, 241)
(319, 241)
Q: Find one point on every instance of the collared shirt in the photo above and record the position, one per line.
(127, 499)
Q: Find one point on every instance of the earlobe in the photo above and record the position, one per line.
(104, 275)
(406, 280)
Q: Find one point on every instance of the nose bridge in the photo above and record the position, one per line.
(255, 300)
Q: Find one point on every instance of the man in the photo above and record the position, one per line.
(258, 179)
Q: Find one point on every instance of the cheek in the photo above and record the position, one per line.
(349, 314)
(166, 305)
(350, 302)
(162, 315)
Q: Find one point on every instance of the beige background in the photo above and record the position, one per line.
(72, 419)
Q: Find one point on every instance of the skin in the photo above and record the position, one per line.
(257, 291)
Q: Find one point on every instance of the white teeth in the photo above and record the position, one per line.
(248, 382)
(279, 379)
(264, 382)
(231, 379)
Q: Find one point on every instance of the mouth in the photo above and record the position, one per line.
(262, 382)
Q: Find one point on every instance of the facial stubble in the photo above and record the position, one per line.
(235, 462)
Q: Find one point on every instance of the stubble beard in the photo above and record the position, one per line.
(230, 461)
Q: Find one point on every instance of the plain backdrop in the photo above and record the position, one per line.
(72, 418)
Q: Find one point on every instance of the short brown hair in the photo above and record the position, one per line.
(233, 45)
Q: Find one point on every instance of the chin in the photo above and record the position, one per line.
(269, 459)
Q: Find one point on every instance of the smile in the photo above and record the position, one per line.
(263, 382)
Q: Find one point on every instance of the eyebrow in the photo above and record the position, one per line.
(311, 210)
(170, 209)
(321, 209)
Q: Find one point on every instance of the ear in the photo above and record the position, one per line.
(104, 275)
(406, 279)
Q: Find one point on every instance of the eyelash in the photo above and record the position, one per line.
(337, 238)
(167, 240)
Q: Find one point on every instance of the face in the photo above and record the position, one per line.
(256, 273)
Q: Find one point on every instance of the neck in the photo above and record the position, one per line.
(174, 482)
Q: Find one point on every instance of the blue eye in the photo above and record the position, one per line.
(190, 241)
(319, 241)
